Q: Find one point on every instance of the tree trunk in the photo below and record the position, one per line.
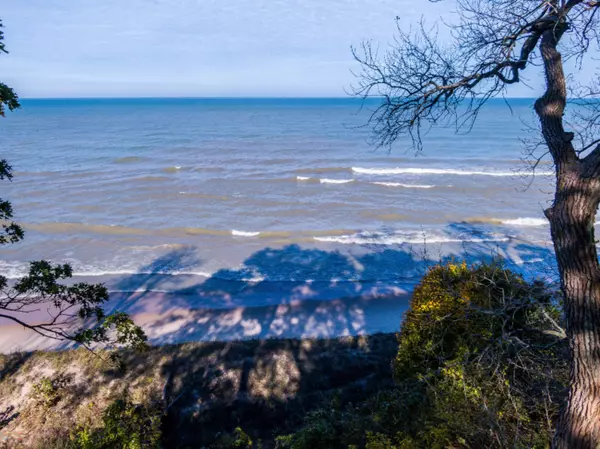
(572, 220)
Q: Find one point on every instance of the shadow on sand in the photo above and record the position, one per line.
(302, 292)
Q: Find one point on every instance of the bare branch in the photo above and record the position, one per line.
(422, 82)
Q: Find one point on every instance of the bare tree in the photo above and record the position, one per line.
(422, 82)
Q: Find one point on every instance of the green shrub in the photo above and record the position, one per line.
(326, 428)
(481, 363)
(125, 426)
(457, 312)
(47, 392)
(489, 348)
(238, 439)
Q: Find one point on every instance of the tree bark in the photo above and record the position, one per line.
(572, 223)
(572, 218)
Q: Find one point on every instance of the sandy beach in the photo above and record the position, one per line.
(166, 320)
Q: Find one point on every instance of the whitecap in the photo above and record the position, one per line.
(335, 181)
(397, 238)
(435, 171)
(17, 270)
(407, 186)
(302, 178)
(526, 222)
(244, 233)
(91, 272)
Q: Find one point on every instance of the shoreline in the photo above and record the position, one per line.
(367, 314)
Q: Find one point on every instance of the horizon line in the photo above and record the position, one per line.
(348, 97)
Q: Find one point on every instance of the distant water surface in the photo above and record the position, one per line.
(201, 187)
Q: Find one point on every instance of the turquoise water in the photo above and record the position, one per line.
(118, 186)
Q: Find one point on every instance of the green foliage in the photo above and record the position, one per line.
(125, 426)
(11, 232)
(42, 286)
(47, 392)
(238, 439)
(8, 97)
(481, 363)
(327, 428)
(126, 333)
(459, 312)
(489, 348)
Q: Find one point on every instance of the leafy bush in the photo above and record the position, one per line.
(47, 392)
(125, 426)
(488, 345)
(458, 312)
(236, 440)
(481, 363)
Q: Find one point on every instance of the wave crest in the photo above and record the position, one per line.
(335, 181)
(244, 233)
(436, 171)
(399, 238)
(406, 186)
(526, 222)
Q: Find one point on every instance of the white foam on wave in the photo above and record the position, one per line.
(17, 270)
(407, 186)
(335, 181)
(244, 233)
(398, 238)
(302, 178)
(526, 222)
(435, 171)
(91, 272)
(13, 270)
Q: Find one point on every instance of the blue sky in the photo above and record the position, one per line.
(128, 48)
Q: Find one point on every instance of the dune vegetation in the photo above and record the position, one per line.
(480, 361)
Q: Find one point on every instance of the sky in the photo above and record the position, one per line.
(197, 48)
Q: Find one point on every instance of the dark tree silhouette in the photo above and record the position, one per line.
(65, 312)
(423, 82)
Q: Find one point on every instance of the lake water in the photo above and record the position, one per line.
(168, 194)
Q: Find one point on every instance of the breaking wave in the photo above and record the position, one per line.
(244, 233)
(435, 171)
(399, 238)
(407, 186)
(525, 222)
(335, 181)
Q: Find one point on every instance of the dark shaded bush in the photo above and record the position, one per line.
(238, 439)
(481, 363)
